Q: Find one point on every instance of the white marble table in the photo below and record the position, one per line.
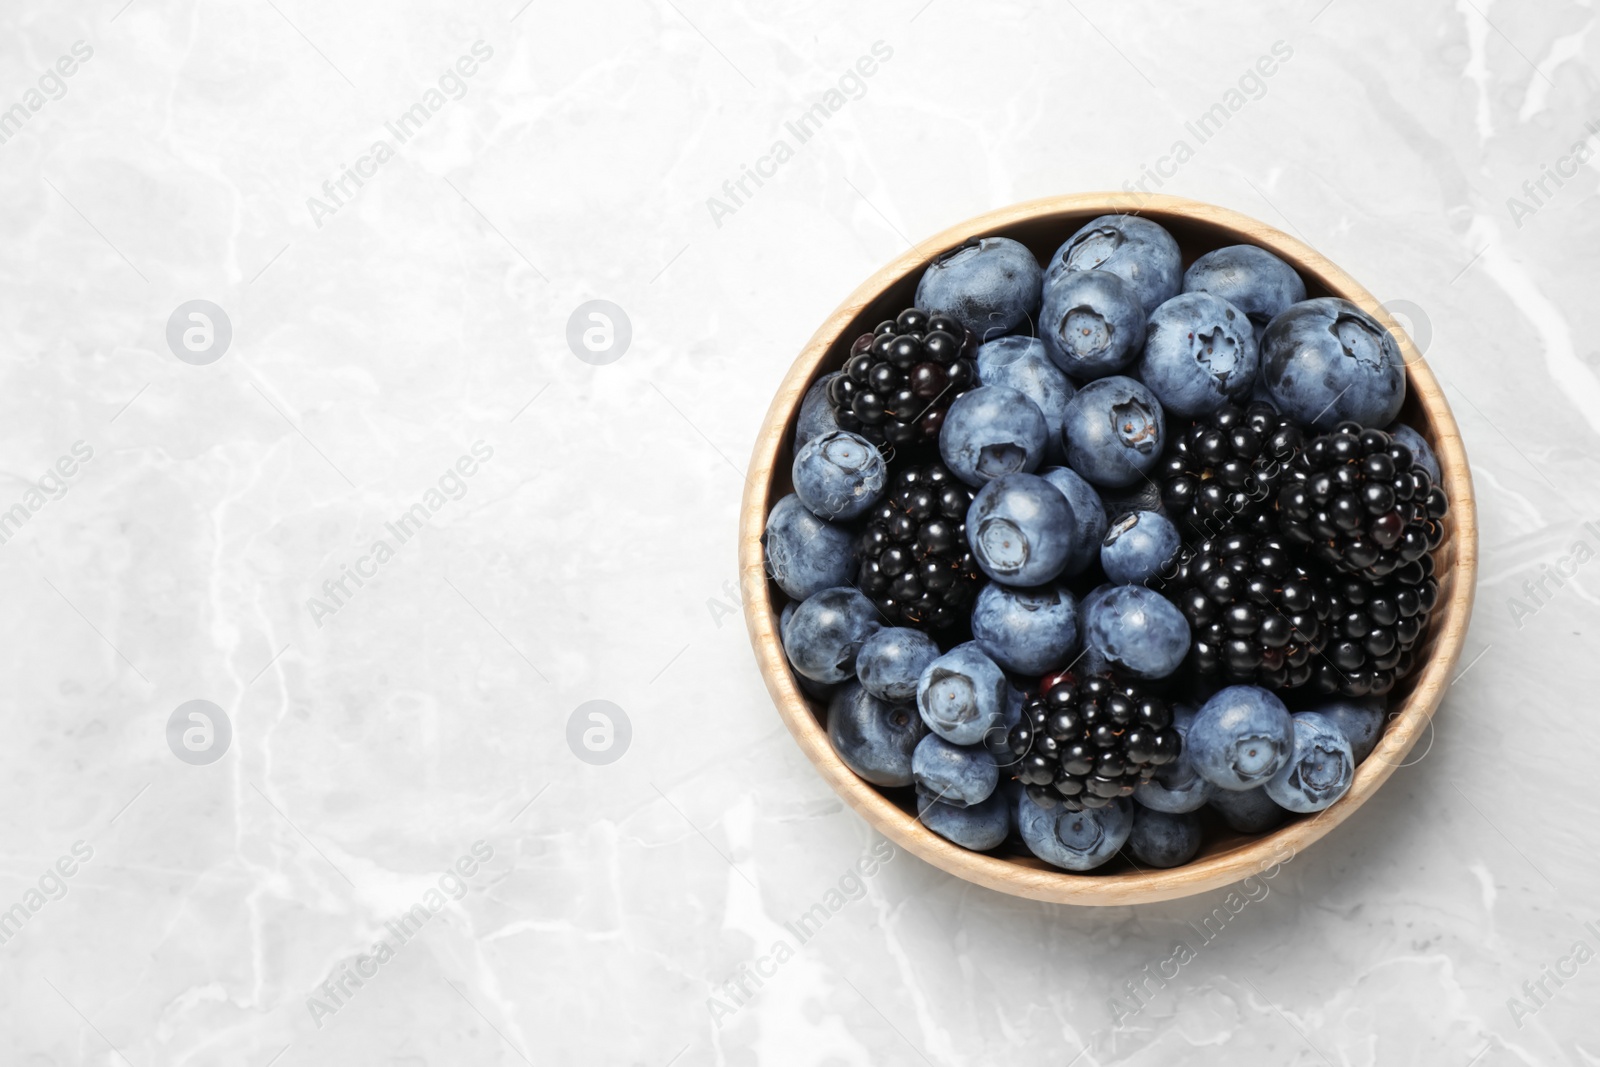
(558, 530)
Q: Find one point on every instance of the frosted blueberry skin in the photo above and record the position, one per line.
(891, 661)
(1240, 738)
(990, 285)
(958, 775)
(1421, 451)
(996, 738)
(1031, 631)
(839, 475)
(962, 694)
(992, 431)
(1252, 279)
(1199, 354)
(1074, 840)
(1136, 629)
(1320, 768)
(980, 827)
(1163, 839)
(1361, 722)
(1020, 363)
(805, 554)
(1115, 430)
(875, 738)
(824, 635)
(1138, 547)
(1326, 361)
(816, 414)
(1140, 252)
(1248, 811)
(1019, 528)
(1092, 324)
(1088, 517)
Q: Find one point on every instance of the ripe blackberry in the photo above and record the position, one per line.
(1361, 503)
(1083, 743)
(915, 563)
(1373, 627)
(1222, 472)
(1254, 612)
(900, 378)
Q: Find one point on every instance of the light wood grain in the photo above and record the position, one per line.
(1043, 225)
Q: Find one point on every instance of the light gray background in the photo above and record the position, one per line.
(593, 556)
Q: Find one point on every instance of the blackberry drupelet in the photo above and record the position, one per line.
(915, 563)
(1255, 613)
(1373, 628)
(1221, 474)
(1361, 503)
(1084, 743)
(900, 378)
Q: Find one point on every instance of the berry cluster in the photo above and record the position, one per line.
(1085, 743)
(1224, 472)
(1372, 629)
(900, 378)
(915, 562)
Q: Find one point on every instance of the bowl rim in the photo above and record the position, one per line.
(1257, 854)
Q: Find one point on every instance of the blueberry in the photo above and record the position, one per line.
(1160, 839)
(997, 738)
(1074, 840)
(1138, 547)
(1114, 431)
(1421, 451)
(982, 826)
(1026, 631)
(992, 431)
(962, 694)
(891, 661)
(1361, 722)
(875, 738)
(838, 475)
(806, 555)
(1020, 530)
(1020, 363)
(1088, 517)
(960, 775)
(1248, 811)
(1177, 787)
(816, 414)
(1199, 354)
(990, 284)
(1326, 361)
(1252, 279)
(826, 632)
(1320, 768)
(1092, 324)
(1135, 249)
(1137, 630)
(1241, 738)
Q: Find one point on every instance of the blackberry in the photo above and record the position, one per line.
(1083, 743)
(900, 378)
(915, 563)
(1361, 503)
(1255, 613)
(1221, 474)
(1373, 629)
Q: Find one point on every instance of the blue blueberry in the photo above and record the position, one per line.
(1241, 737)
(1137, 629)
(1027, 631)
(1320, 768)
(1074, 840)
(990, 284)
(1019, 528)
(1020, 363)
(1162, 839)
(1115, 431)
(839, 475)
(960, 775)
(875, 738)
(992, 431)
(996, 739)
(826, 632)
(1326, 361)
(1421, 451)
(962, 695)
(816, 414)
(1139, 546)
(1138, 251)
(1088, 517)
(806, 555)
(1092, 324)
(1361, 722)
(1199, 354)
(1248, 811)
(891, 661)
(1177, 787)
(1252, 279)
(982, 826)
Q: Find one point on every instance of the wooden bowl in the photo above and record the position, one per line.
(1043, 225)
